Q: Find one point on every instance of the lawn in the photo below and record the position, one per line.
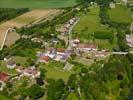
(3, 97)
(72, 96)
(56, 73)
(20, 60)
(120, 14)
(36, 3)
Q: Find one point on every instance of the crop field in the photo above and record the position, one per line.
(120, 14)
(37, 3)
(25, 19)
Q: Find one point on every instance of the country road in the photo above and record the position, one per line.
(5, 36)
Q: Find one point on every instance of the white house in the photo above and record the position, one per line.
(11, 64)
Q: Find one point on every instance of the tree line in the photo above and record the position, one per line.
(9, 13)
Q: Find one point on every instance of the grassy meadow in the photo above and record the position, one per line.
(36, 3)
(89, 29)
(91, 20)
(120, 14)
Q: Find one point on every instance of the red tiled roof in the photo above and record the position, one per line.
(87, 46)
(4, 77)
(46, 58)
(60, 50)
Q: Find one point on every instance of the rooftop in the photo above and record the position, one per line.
(4, 77)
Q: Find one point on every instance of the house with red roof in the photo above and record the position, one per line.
(3, 79)
(86, 47)
(44, 59)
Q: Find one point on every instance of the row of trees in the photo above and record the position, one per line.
(122, 41)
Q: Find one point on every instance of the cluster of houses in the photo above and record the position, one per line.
(59, 54)
(129, 39)
(31, 72)
(66, 27)
(88, 47)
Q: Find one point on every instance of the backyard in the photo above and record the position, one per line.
(3, 68)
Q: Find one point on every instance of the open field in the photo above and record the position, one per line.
(91, 21)
(55, 72)
(36, 3)
(89, 25)
(25, 19)
(120, 14)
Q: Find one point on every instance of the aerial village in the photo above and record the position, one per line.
(62, 50)
(57, 54)
(88, 51)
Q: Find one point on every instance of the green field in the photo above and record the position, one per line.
(55, 72)
(120, 14)
(89, 25)
(36, 3)
(3, 97)
(91, 21)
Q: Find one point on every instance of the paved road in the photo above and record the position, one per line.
(122, 53)
(5, 36)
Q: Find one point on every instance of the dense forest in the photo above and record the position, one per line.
(9, 13)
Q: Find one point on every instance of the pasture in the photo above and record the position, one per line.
(90, 22)
(120, 14)
(89, 29)
(30, 17)
(35, 4)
